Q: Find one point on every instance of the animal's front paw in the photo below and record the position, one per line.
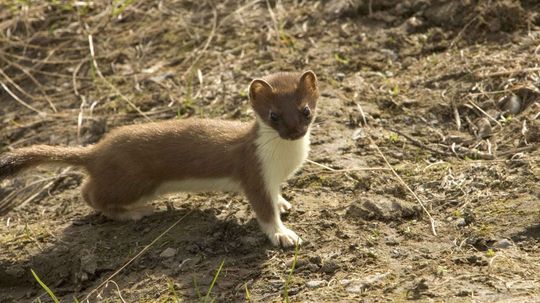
(284, 237)
(283, 205)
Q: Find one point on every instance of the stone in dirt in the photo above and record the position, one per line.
(315, 283)
(358, 286)
(168, 253)
(502, 244)
(382, 208)
(329, 267)
(88, 263)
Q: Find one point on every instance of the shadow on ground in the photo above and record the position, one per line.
(87, 252)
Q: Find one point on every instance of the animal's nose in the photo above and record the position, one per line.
(297, 133)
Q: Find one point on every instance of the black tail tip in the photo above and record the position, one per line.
(7, 166)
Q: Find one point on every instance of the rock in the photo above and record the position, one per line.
(419, 287)
(511, 104)
(460, 222)
(293, 291)
(391, 241)
(477, 260)
(484, 128)
(503, 244)
(376, 278)
(345, 282)
(168, 253)
(329, 267)
(300, 263)
(342, 8)
(315, 283)
(311, 267)
(315, 260)
(14, 271)
(382, 208)
(450, 139)
(251, 241)
(412, 24)
(358, 286)
(442, 13)
(88, 264)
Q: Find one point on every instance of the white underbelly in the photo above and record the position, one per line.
(199, 185)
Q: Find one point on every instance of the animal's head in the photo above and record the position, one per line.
(286, 102)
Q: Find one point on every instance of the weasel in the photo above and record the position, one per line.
(133, 164)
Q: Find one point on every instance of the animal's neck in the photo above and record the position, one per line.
(278, 157)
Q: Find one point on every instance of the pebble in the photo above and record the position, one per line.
(502, 244)
(512, 105)
(251, 241)
(329, 267)
(315, 283)
(293, 291)
(413, 23)
(168, 253)
(484, 128)
(358, 286)
(345, 282)
(89, 263)
(315, 260)
(461, 222)
(391, 241)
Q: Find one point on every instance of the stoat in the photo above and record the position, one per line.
(133, 164)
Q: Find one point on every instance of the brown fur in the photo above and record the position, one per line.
(131, 162)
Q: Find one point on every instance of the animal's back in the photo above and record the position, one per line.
(176, 149)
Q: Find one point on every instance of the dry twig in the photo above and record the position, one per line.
(116, 90)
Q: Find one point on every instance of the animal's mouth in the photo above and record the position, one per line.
(293, 137)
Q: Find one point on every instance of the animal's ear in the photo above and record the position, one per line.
(258, 88)
(308, 82)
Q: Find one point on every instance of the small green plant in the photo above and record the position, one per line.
(375, 234)
(243, 93)
(207, 297)
(395, 90)
(289, 278)
(341, 59)
(394, 138)
(63, 5)
(45, 287)
(197, 291)
(457, 214)
(286, 39)
(441, 271)
(505, 120)
(172, 292)
(119, 6)
(490, 253)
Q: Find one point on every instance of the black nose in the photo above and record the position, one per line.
(296, 134)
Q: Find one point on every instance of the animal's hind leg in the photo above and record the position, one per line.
(135, 211)
(86, 191)
(117, 203)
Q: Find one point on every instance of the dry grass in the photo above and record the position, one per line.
(71, 70)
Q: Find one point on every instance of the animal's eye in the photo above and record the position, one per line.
(306, 111)
(274, 117)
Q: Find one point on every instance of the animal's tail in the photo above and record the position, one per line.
(15, 161)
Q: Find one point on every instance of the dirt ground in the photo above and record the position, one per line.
(448, 91)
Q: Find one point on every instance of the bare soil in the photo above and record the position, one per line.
(449, 91)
